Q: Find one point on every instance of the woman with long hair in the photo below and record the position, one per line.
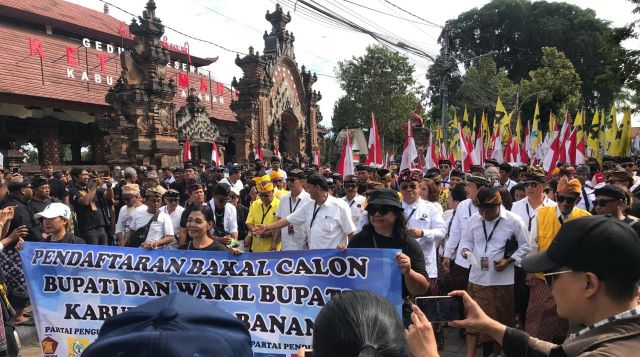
(386, 228)
(200, 223)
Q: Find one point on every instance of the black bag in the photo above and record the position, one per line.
(140, 235)
(510, 247)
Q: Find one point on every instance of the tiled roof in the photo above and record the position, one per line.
(20, 72)
(72, 17)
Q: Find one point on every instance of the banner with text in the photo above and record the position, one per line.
(74, 288)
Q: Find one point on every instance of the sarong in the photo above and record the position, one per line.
(496, 301)
(542, 320)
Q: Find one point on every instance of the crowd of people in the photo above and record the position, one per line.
(457, 231)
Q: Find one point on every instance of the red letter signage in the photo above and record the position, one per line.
(72, 56)
(102, 57)
(183, 80)
(203, 85)
(34, 47)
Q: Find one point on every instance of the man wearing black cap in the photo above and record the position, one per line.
(40, 200)
(327, 219)
(459, 270)
(629, 166)
(612, 200)
(445, 170)
(486, 236)
(362, 173)
(593, 269)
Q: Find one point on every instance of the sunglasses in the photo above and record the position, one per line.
(444, 166)
(630, 164)
(550, 277)
(411, 186)
(264, 194)
(570, 200)
(603, 202)
(373, 209)
(293, 179)
(531, 184)
(350, 185)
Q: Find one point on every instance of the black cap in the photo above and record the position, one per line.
(296, 173)
(613, 191)
(362, 167)
(41, 181)
(275, 158)
(173, 325)
(317, 180)
(601, 245)
(222, 189)
(384, 197)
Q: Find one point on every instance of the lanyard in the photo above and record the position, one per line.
(450, 222)
(586, 199)
(484, 230)
(526, 205)
(351, 203)
(291, 205)
(561, 219)
(264, 213)
(315, 213)
(410, 215)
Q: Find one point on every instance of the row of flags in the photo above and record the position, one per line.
(215, 158)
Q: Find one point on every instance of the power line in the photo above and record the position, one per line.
(386, 13)
(412, 14)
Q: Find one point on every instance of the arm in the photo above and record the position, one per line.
(276, 240)
(86, 199)
(436, 228)
(454, 234)
(466, 238)
(233, 223)
(523, 242)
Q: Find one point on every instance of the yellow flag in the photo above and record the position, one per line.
(466, 126)
(625, 134)
(593, 141)
(503, 119)
(613, 148)
(578, 124)
(518, 130)
(454, 137)
(535, 129)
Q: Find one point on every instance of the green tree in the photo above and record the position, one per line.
(555, 81)
(519, 29)
(481, 84)
(381, 82)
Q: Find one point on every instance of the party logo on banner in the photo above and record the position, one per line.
(277, 295)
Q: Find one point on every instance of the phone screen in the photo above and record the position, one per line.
(441, 308)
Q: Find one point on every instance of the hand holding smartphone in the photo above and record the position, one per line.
(441, 308)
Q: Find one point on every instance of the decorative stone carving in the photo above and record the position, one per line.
(194, 123)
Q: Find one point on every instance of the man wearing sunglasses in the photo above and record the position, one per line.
(294, 237)
(612, 200)
(224, 214)
(133, 203)
(526, 209)
(593, 270)
(355, 200)
(629, 166)
(363, 176)
(541, 320)
(445, 170)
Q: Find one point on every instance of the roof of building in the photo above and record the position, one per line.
(23, 74)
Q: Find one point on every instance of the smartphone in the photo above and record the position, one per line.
(308, 353)
(15, 170)
(441, 308)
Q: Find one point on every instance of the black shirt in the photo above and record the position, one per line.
(57, 189)
(410, 247)
(89, 216)
(68, 238)
(22, 216)
(242, 213)
(219, 218)
(213, 247)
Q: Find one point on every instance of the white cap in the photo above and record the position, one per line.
(55, 210)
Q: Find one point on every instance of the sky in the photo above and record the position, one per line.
(238, 24)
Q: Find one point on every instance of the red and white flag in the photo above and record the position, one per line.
(580, 152)
(316, 156)
(508, 149)
(551, 157)
(465, 151)
(565, 135)
(260, 154)
(478, 153)
(186, 151)
(409, 153)
(214, 155)
(346, 165)
(388, 159)
(496, 152)
(374, 157)
(430, 158)
(276, 153)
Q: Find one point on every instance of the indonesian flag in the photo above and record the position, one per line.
(388, 159)
(316, 156)
(515, 152)
(374, 157)
(580, 152)
(430, 158)
(186, 153)
(478, 153)
(496, 152)
(346, 165)
(527, 152)
(214, 154)
(260, 154)
(276, 153)
(465, 151)
(565, 134)
(409, 153)
(551, 157)
(508, 149)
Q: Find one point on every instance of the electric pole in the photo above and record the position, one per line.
(443, 89)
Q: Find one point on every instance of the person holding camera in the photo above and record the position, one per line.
(492, 241)
(593, 270)
(88, 198)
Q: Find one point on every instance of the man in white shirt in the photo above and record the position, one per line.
(526, 209)
(424, 221)
(133, 203)
(485, 245)
(160, 232)
(293, 237)
(327, 219)
(225, 229)
(353, 198)
(505, 181)
(168, 177)
(445, 169)
(453, 261)
(275, 166)
(233, 180)
(172, 207)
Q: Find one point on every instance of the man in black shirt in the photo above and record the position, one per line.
(40, 200)
(19, 195)
(88, 199)
(57, 190)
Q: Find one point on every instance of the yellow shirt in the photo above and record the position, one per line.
(279, 193)
(261, 214)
